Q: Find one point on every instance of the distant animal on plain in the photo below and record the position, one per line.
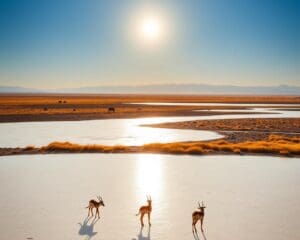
(111, 110)
(94, 204)
(147, 209)
(198, 215)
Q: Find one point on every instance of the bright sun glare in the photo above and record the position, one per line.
(149, 175)
(150, 29)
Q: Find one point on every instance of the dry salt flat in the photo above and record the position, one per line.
(247, 197)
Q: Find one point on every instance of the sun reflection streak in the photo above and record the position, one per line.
(149, 175)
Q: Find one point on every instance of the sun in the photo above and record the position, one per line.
(150, 29)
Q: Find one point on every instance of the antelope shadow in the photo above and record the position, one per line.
(140, 236)
(87, 229)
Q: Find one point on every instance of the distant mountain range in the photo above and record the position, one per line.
(168, 88)
(9, 89)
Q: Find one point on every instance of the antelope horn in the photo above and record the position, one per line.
(199, 204)
(202, 204)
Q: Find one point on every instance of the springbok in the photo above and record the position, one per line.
(94, 204)
(145, 210)
(198, 215)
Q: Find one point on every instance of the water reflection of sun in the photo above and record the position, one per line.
(148, 175)
(137, 135)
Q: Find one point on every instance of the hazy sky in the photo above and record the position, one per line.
(57, 43)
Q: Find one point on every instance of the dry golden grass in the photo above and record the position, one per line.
(273, 145)
(77, 148)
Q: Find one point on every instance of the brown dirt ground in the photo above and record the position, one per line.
(237, 130)
(56, 107)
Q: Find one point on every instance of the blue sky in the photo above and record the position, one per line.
(62, 44)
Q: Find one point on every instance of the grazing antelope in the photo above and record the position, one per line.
(145, 210)
(94, 204)
(198, 215)
(111, 110)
